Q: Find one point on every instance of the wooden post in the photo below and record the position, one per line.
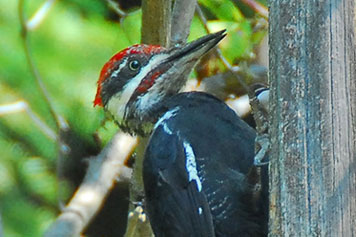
(313, 118)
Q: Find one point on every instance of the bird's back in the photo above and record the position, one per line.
(195, 171)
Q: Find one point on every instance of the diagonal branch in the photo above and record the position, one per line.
(115, 6)
(61, 123)
(23, 106)
(103, 171)
(257, 7)
(39, 15)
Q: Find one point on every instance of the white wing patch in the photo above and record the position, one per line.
(200, 211)
(191, 165)
(162, 121)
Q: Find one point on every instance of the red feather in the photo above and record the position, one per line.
(107, 68)
(147, 82)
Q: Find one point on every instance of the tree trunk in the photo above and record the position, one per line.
(313, 118)
(156, 22)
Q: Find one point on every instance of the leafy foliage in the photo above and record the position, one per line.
(69, 47)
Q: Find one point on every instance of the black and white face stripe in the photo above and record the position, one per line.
(132, 94)
(118, 101)
(121, 74)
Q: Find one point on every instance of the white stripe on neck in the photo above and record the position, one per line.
(117, 104)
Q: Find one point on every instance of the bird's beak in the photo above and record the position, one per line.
(193, 51)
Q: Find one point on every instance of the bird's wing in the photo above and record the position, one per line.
(175, 204)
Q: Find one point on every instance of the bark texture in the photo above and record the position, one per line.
(156, 22)
(313, 118)
(183, 13)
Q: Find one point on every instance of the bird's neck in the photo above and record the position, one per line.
(141, 121)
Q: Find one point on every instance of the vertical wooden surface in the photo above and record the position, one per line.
(313, 118)
(156, 22)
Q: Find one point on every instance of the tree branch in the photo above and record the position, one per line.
(39, 15)
(156, 22)
(103, 171)
(115, 6)
(183, 13)
(23, 106)
(257, 7)
(60, 122)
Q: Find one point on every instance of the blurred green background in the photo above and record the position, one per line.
(69, 48)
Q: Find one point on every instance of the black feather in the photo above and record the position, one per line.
(223, 147)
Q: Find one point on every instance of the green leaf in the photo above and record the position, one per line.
(223, 9)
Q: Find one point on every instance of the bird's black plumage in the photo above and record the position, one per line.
(198, 171)
(197, 131)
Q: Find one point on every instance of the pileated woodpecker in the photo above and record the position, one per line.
(200, 152)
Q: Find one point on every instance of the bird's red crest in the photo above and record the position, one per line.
(107, 68)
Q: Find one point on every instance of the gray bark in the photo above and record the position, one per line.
(183, 13)
(313, 118)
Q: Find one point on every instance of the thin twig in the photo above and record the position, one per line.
(23, 106)
(43, 90)
(61, 123)
(115, 6)
(103, 171)
(39, 15)
(257, 7)
(117, 9)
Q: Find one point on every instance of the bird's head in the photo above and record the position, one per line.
(137, 79)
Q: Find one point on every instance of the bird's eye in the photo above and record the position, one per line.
(134, 65)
